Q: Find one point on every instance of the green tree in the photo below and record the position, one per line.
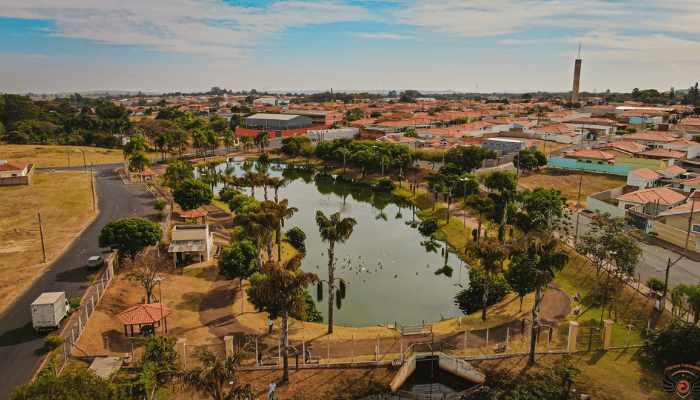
(333, 230)
(192, 194)
(487, 257)
(676, 343)
(262, 139)
(246, 140)
(428, 226)
(15, 108)
(259, 224)
(136, 144)
(610, 243)
(545, 210)
(238, 261)
(483, 206)
(283, 285)
(293, 145)
(543, 258)
(228, 139)
(506, 184)
(278, 183)
(132, 234)
(525, 160)
(518, 276)
(469, 300)
(541, 158)
(176, 173)
(218, 377)
(296, 238)
(81, 384)
(282, 211)
(411, 132)
(139, 161)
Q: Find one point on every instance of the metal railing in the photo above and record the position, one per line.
(429, 347)
(424, 328)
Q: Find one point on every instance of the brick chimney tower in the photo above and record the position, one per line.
(577, 76)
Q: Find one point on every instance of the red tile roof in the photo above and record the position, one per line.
(597, 154)
(13, 166)
(661, 195)
(646, 173)
(144, 314)
(683, 209)
(664, 153)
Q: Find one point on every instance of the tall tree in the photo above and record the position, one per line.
(608, 242)
(489, 257)
(278, 183)
(333, 230)
(146, 268)
(176, 173)
(283, 285)
(505, 183)
(259, 224)
(136, 144)
(192, 193)
(139, 161)
(542, 258)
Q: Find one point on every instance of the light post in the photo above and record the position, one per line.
(160, 296)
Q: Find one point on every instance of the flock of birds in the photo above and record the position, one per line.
(360, 267)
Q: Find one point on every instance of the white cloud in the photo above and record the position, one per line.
(510, 42)
(380, 35)
(208, 27)
(647, 48)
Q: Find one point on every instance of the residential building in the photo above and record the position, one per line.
(323, 135)
(643, 178)
(672, 226)
(193, 242)
(505, 146)
(591, 157)
(13, 173)
(318, 117)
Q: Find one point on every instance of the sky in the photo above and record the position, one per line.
(49, 46)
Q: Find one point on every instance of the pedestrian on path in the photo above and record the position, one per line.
(270, 323)
(271, 392)
(260, 355)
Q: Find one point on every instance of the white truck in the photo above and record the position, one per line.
(48, 310)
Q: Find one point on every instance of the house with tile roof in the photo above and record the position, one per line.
(663, 154)
(654, 201)
(644, 178)
(690, 147)
(14, 173)
(591, 157)
(652, 139)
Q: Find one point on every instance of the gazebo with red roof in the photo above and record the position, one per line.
(194, 214)
(144, 314)
(147, 174)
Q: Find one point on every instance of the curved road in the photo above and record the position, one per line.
(20, 346)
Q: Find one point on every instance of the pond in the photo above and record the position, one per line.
(388, 265)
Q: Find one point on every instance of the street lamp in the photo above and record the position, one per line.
(160, 295)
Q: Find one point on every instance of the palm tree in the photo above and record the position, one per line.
(136, 144)
(261, 139)
(176, 173)
(228, 141)
(483, 206)
(282, 212)
(450, 183)
(246, 140)
(139, 161)
(333, 230)
(180, 139)
(252, 179)
(490, 256)
(282, 285)
(259, 223)
(543, 259)
(277, 184)
(212, 140)
(216, 374)
(264, 181)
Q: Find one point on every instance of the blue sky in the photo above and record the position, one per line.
(49, 46)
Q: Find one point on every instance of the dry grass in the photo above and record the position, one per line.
(58, 156)
(181, 293)
(548, 146)
(64, 200)
(616, 374)
(568, 183)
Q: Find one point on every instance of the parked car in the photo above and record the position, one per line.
(95, 262)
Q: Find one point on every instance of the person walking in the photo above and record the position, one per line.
(270, 323)
(271, 392)
(308, 356)
(260, 355)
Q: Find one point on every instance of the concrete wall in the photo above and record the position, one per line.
(676, 236)
(596, 203)
(406, 370)
(637, 163)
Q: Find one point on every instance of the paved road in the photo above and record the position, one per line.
(20, 346)
(654, 261)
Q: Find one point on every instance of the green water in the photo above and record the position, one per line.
(397, 280)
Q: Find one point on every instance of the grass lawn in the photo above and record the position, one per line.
(64, 200)
(616, 374)
(59, 156)
(568, 183)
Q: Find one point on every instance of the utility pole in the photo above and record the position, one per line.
(92, 187)
(578, 205)
(663, 299)
(41, 232)
(690, 224)
(84, 162)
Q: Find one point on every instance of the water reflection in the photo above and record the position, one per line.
(390, 268)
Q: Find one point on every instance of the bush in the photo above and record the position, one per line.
(655, 284)
(632, 130)
(654, 233)
(471, 299)
(296, 238)
(149, 183)
(160, 216)
(227, 193)
(385, 185)
(264, 157)
(52, 342)
(428, 226)
(676, 343)
(93, 277)
(622, 132)
(160, 205)
(74, 303)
